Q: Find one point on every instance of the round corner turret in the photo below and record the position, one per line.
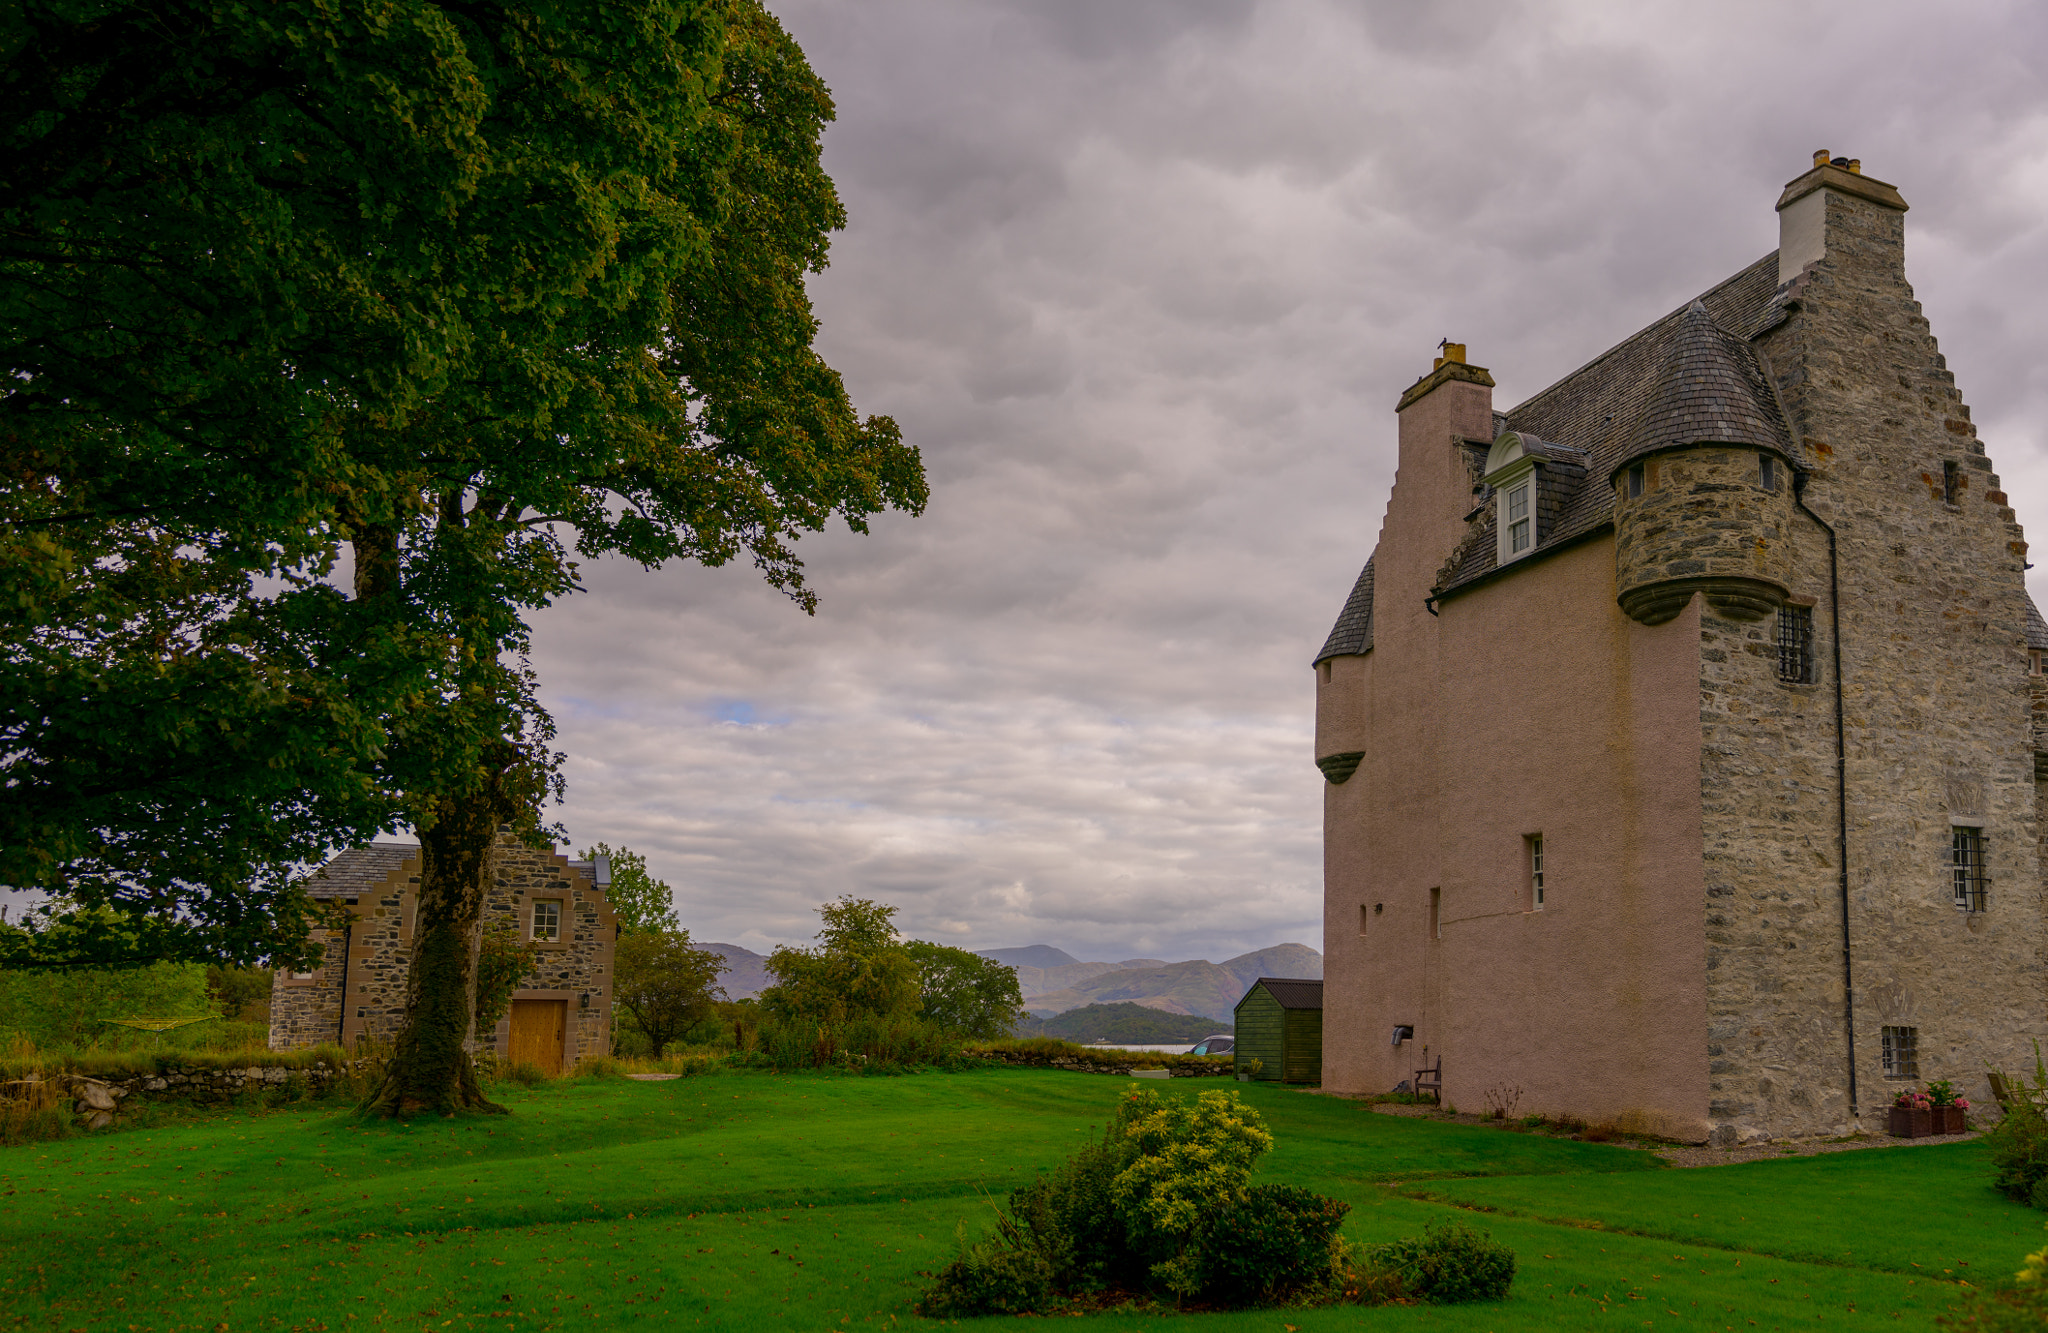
(1709, 519)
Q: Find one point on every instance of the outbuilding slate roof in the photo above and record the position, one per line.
(357, 871)
(1352, 633)
(1691, 377)
(1291, 992)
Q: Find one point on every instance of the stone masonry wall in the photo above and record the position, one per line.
(1938, 732)
(1777, 1065)
(376, 957)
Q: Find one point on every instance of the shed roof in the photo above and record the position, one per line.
(1291, 992)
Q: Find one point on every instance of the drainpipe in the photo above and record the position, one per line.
(1841, 785)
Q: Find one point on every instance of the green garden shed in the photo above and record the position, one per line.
(1280, 1024)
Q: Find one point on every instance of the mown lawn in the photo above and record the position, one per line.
(755, 1201)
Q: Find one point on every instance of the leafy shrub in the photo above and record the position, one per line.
(1001, 1274)
(1448, 1263)
(56, 1007)
(1273, 1242)
(599, 1067)
(1162, 1202)
(2019, 1142)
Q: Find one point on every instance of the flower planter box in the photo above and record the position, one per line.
(1950, 1120)
(1912, 1124)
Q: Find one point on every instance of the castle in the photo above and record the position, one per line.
(1681, 736)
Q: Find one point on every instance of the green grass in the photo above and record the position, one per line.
(757, 1201)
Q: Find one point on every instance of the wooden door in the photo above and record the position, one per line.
(538, 1029)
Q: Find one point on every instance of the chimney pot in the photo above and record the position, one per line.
(1820, 157)
(1451, 352)
(1856, 166)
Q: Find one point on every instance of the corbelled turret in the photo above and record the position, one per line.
(1703, 486)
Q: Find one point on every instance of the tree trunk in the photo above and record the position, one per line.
(430, 1068)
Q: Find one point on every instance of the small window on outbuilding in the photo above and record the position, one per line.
(547, 921)
(1901, 1048)
(1966, 867)
(1795, 644)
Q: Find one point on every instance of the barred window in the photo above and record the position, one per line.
(1901, 1052)
(1795, 644)
(1966, 867)
(1536, 870)
(547, 921)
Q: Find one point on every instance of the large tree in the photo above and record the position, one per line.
(450, 290)
(675, 411)
(237, 242)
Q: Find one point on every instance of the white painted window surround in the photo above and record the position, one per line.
(1512, 475)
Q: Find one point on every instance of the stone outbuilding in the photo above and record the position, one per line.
(562, 1011)
(1681, 738)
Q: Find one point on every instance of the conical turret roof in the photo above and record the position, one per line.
(1710, 390)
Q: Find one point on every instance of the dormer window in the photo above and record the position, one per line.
(1520, 521)
(1511, 472)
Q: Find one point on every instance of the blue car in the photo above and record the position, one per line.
(1221, 1044)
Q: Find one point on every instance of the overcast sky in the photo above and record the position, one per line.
(1143, 282)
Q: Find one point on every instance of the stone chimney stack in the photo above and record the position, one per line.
(1835, 209)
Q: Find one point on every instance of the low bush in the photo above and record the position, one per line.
(2019, 1142)
(1448, 1263)
(1160, 1205)
(1274, 1241)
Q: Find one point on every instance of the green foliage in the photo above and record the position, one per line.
(640, 901)
(2019, 1142)
(1163, 1201)
(55, 1007)
(964, 992)
(663, 984)
(859, 970)
(1450, 1262)
(1270, 1243)
(242, 993)
(1123, 1021)
(504, 958)
(999, 1274)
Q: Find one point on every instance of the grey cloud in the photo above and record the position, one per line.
(1143, 281)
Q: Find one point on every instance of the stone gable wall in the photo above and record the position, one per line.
(1938, 727)
(376, 957)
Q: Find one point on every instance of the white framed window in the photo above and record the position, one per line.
(1535, 845)
(547, 921)
(1511, 472)
(1901, 1047)
(1518, 515)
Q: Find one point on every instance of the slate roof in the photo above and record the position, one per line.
(2037, 628)
(1292, 992)
(1352, 633)
(357, 871)
(1691, 376)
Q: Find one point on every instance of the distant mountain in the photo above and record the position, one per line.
(1031, 955)
(1121, 1022)
(1200, 987)
(749, 974)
